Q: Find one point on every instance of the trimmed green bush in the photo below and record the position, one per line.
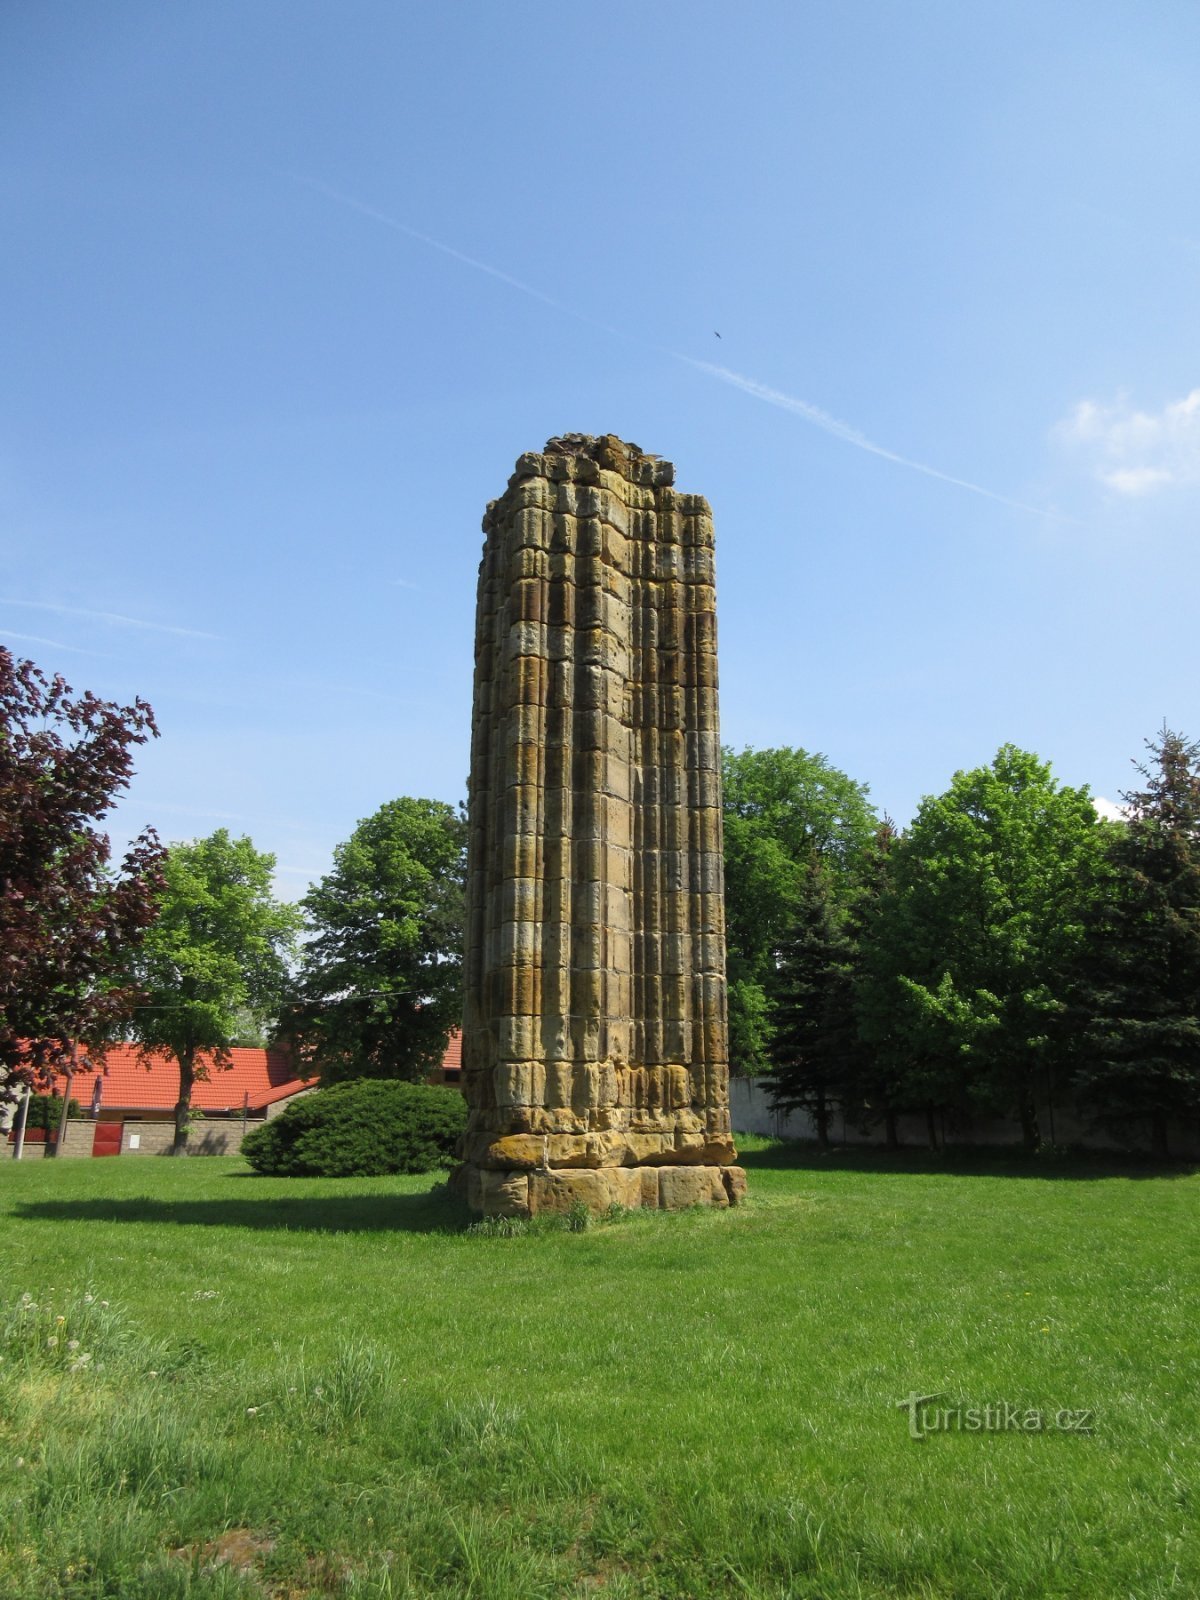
(360, 1129)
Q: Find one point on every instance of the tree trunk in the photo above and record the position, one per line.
(931, 1125)
(19, 1128)
(822, 1120)
(1158, 1135)
(891, 1123)
(183, 1106)
(1031, 1134)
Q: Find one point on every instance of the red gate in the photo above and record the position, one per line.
(107, 1140)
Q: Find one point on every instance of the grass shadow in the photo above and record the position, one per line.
(435, 1212)
(960, 1161)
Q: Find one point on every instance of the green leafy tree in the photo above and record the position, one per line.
(967, 977)
(1139, 979)
(217, 954)
(381, 981)
(781, 807)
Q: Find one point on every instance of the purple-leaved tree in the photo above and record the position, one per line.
(67, 921)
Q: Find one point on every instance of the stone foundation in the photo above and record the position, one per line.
(503, 1192)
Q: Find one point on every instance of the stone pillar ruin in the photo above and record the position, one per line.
(595, 1033)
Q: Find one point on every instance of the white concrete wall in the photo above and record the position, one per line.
(750, 1110)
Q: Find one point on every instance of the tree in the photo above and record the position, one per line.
(218, 951)
(66, 920)
(1139, 978)
(968, 973)
(781, 807)
(381, 981)
(813, 1023)
(870, 1084)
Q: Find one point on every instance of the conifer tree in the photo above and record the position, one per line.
(875, 1094)
(1139, 980)
(813, 1026)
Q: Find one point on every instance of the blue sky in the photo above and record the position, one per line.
(289, 285)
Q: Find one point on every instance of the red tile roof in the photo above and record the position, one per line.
(264, 1075)
(130, 1085)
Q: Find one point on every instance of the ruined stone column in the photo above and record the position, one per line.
(595, 1048)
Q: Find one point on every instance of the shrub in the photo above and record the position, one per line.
(46, 1109)
(364, 1128)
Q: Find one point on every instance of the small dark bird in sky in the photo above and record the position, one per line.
(716, 335)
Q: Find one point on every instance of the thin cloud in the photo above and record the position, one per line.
(1136, 453)
(847, 434)
(113, 617)
(55, 644)
(448, 250)
(751, 386)
(197, 811)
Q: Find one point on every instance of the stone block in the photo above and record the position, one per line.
(681, 1187)
(520, 1083)
(504, 1194)
(557, 1191)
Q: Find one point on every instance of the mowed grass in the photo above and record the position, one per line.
(305, 1387)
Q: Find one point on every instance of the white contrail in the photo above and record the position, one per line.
(751, 386)
(849, 435)
(449, 250)
(53, 644)
(108, 616)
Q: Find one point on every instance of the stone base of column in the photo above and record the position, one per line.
(514, 1193)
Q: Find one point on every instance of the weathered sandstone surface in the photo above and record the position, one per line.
(595, 1049)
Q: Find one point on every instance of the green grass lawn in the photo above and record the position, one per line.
(311, 1387)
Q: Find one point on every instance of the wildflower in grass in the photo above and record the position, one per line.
(104, 1304)
(153, 1373)
(88, 1298)
(52, 1342)
(72, 1344)
(60, 1320)
(251, 1411)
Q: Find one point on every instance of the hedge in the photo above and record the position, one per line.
(364, 1128)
